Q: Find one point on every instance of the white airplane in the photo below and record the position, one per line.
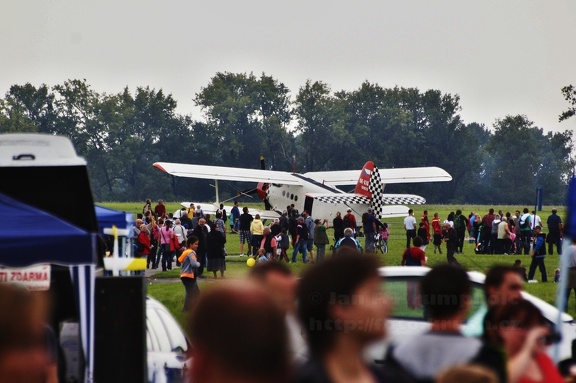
(316, 192)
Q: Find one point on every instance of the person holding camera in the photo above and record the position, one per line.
(520, 330)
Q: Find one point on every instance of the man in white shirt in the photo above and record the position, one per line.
(410, 227)
(535, 220)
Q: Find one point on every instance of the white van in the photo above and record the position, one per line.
(44, 171)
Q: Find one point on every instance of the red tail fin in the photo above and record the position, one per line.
(364, 180)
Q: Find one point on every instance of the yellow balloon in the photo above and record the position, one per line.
(250, 262)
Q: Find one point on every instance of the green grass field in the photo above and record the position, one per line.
(172, 294)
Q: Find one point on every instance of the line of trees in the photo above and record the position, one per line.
(245, 116)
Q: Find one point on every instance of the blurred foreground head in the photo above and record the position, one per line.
(469, 373)
(342, 298)
(278, 280)
(238, 334)
(23, 352)
(446, 292)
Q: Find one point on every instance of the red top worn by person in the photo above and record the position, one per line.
(436, 226)
(144, 239)
(160, 209)
(424, 219)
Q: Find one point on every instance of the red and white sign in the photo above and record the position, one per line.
(35, 278)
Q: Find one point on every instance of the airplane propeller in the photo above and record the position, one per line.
(260, 189)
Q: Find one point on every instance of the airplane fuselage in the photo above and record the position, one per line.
(280, 196)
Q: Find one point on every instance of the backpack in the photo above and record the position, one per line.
(458, 222)
(524, 221)
(346, 221)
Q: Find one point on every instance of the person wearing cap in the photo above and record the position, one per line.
(538, 254)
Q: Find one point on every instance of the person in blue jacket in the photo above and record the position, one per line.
(538, 254)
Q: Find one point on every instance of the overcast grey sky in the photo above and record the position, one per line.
(500, 57)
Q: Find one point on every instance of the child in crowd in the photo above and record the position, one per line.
(262, 255)
(283, 243)
(188, 272)
(384, 234)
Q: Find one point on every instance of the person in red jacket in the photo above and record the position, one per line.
(144, 244)
(160, 209)
(437, 229)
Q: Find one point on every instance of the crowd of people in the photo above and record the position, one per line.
(275, 327)
(161, 237)
(317, 328)
(501, 233)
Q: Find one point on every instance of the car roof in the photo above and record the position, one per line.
(549, 311)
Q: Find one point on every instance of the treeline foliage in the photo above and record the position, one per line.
(245, 117)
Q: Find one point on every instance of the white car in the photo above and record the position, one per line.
(167, 344)
(404, 322)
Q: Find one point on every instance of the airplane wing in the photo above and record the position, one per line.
(353, 198)
(227, 173)
(389, 176)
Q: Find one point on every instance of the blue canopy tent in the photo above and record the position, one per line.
(107, 217)
(30, 236)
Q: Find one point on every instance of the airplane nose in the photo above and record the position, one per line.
(262, 189)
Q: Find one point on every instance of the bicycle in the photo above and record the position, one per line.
(381, 244)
